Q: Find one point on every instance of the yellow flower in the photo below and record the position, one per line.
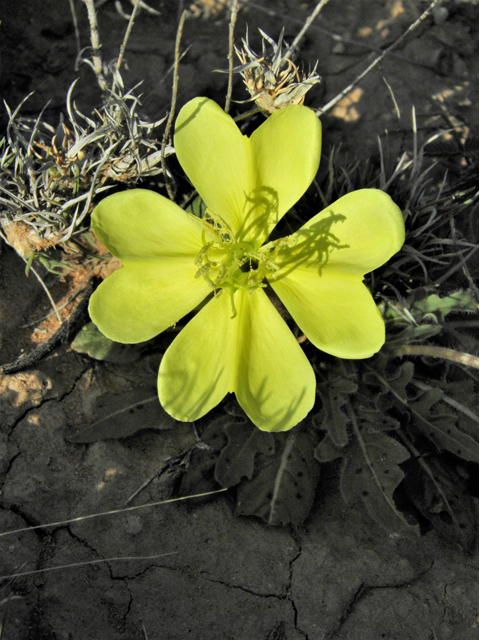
(172, 261)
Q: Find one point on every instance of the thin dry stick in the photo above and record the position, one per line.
(49, 295)
(173, 104)
(306, 26)
(109, 513)
(96, 57)
(231, 30)
(127, 35)
(347, 90)
(75, 26)
(438, 352)
(83, 564)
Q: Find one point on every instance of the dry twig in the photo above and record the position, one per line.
(358, 79)
(173, 104)
(231, 30)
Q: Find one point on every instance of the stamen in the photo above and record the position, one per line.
(227, 264)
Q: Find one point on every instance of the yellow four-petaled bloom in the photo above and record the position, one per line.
(172, 261)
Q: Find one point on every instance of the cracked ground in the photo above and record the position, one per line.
(192, 569)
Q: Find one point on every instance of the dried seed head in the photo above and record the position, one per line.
(273, 80)
(49, 177)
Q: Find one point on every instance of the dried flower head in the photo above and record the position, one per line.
(273, 80)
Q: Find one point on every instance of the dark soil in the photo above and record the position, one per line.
(220, 577)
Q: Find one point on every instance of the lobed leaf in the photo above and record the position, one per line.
(118, 415)
(371, 473)
(91, 341)
(441, 496)
(437, 308)
(237, 459)
(441, 428)
(282, 490)
(327, 450)
(333, 392)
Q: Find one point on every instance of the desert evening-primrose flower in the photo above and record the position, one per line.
(172, 261)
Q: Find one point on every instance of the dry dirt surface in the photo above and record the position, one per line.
(192, 569)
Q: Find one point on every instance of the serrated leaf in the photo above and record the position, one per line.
(376, 420)
(441, 496)
(327, 450)
(333, 392)
(370, 473)
(118, 415)
(91, 341)
(237, 459)
(437, 307)
(396, 382)
(441, 428)
(421, 307)
(282, 490)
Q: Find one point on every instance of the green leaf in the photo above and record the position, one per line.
(437, 308)
(450, 431)
(441, 428)
(327, 451)
(333, 392)
(370, 473)
(412, 334)
(91, 341)
(283, 488)
(442, 497)
(237, 459)
(199, 477)
(422, 307)
(118, 415)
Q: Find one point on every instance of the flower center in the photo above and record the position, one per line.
(229, 264)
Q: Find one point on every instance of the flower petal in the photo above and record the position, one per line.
(336, 311)
(356, 234)
(275, 383)
(196, 371)
(286, 155)
(139, 301)
(254, 355)
(143, 224)
(215, 155)
(250, 182)
(157, 243)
